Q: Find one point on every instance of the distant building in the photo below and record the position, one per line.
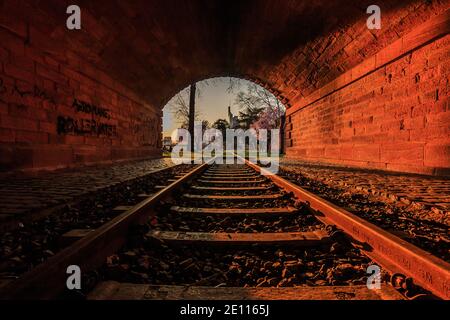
(233, 120)
(177, 137)
(167, 143)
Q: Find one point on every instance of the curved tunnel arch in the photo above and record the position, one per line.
(249, 78)
(225, 39)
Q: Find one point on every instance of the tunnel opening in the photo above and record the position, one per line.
(227, 106)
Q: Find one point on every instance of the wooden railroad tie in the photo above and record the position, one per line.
(232, 211)
(73, 235)
(122, 208)
(230, 188)
(230, 182)
(309, 238)
(112, 290)
(230, 176)
(145, 195)
(230, 172)
(242, 198)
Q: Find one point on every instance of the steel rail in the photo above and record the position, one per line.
(45, 212)
(48, 279)
(391, 252)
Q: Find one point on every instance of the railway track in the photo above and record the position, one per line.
(30, 242)
(228, 232)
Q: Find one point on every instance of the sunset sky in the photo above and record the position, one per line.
(213, 103)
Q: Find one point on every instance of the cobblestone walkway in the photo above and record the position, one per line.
(426, 192)
(22, 195)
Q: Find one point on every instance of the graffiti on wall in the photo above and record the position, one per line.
(83, 126)
(142, 129)
(147, 130)
(69, 125)
(97, 123)
(81, 106)
(35, 92)
(153, 127)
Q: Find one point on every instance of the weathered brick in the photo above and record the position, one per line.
(332, 152)
(405, 153)
(4, 55)
(414, 123)
(22, 62)
(31, 137)
(49, 127)
(441, 119)
(7, 135)
(13, 43)
(437, 154)
(24, 111)
(18, 123)
(70, 139)
(18, 73)
(366, 153)
(51, 74)
(3, 108)
(52, 156)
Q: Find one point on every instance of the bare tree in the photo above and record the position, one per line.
(253, 102)
(192, 113)
(179, 106)
(222, 125)
(257, 96)
(234, 84)
(258, 102)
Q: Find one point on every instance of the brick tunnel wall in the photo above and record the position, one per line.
(60, 111)
(368, 98)
(394, 117)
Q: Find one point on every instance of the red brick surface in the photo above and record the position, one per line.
(38, 85)
(371, 98)
(394, 118)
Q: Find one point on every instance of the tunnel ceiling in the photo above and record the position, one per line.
(156, 48)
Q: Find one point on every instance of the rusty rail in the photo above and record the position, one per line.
(391, 252)
(48, 280)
